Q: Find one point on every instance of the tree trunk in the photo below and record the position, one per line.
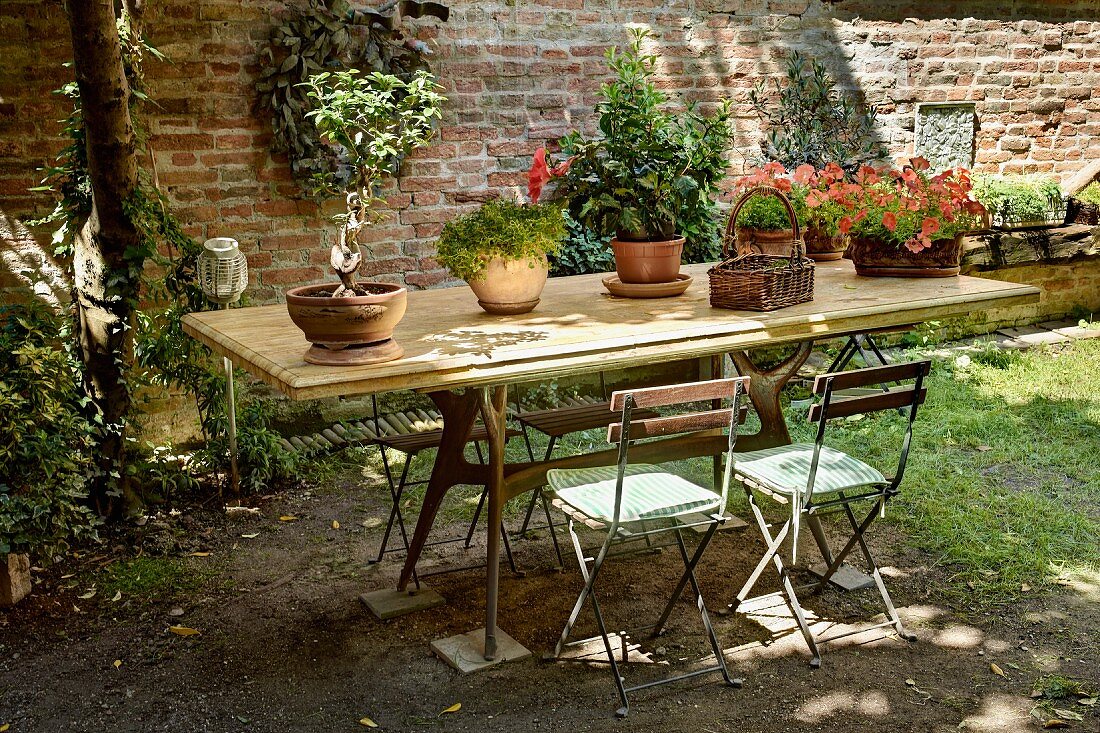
(104, 292)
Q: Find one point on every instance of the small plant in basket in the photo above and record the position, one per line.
(906, 222)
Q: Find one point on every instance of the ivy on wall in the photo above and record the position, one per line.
(327, 35)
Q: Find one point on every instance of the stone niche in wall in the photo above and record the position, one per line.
(945, 134)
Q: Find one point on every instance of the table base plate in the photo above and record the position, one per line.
(390, 602)
(464, 651)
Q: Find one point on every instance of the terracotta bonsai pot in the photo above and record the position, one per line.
(337, 324)
(647, 262)
(764, 241)
(878, 259)
(508, 287)
(821, 247)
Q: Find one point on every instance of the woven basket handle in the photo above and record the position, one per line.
(731, 228)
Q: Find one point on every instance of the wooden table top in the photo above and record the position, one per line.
(578, 328)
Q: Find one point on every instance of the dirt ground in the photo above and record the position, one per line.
(285, 644)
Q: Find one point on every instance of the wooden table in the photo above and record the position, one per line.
(464, 359)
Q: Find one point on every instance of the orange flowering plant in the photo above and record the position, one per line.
(908, 207)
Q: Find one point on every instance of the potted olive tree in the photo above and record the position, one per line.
(648, 167)
(377, 119)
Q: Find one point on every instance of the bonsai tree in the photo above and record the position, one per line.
(811, 122)
(650, 168)
(377, 119)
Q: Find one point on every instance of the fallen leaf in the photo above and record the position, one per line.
(118, 597)
(176, 612)
(367, 722)
(87, 595)
(5, 727)
(1068, 714)
(200, 554)
(1055, 723)
(118, 663)
(252, 536)
(1024, 587)
(288, 518)
(850, 287)
(911, 683)
(184, 631)
(1087, 701)
(984, 448)
(453, 709)
(335, 524)
(70, 575)
(997, 670)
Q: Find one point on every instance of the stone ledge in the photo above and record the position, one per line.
(996, 250)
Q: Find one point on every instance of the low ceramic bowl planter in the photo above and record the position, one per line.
(647, 262)
(820, 247)
(510, 287)
(879, 259)
(355, 330)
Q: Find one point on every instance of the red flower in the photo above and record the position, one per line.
(890, 220)
(929, 227)
(921, 164)
(845, 224)
(537, 176)
(804, 174)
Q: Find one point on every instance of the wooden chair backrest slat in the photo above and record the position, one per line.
(688, 423)
(676, 394)
(891, 400)
(872, 376)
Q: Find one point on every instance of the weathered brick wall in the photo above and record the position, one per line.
(520, 73)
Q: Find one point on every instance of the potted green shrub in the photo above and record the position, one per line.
(906, 223)
(1019, 202)
(377, 119)
(1084, 206)
(648, 166)
(501, 251)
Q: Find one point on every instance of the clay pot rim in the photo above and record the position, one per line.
(299, 295)
(641, 242)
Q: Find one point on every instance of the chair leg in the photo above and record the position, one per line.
(588, 594)
(846, 353)
(689, 571)
(553, 530)
(772, 553)
(537, 493)
(687, 576)
(396, 492)
(886, 599)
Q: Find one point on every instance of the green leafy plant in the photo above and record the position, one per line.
(651, 170)
(1090, 194)
(376, 119)
(811, 122)
(47, 437)
(581, 252)
(499, 228)
(1019, 198)
(767, 213)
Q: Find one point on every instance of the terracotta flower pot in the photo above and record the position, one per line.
(508, 287)
(822, 247)
(879, 259)
(337, 324)
(647, 262)
(764, 241)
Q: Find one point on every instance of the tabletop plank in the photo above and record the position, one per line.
(450, 342)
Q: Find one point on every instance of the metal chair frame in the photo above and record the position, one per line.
(802, 502)
(396, 516)
(618, 532)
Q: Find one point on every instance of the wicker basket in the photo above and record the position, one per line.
(758, 282)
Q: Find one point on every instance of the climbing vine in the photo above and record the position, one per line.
(330, 35)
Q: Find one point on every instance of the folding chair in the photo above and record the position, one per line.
(410, 434)
(577, 415)
(814, 480)
(627, 500)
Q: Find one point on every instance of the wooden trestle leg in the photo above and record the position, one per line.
(764, 390)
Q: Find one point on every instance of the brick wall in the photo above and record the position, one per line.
(520, 73)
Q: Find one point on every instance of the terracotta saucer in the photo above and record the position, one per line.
(647, 290)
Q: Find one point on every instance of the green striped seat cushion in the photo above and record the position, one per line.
(787, 468)
(648, 492)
